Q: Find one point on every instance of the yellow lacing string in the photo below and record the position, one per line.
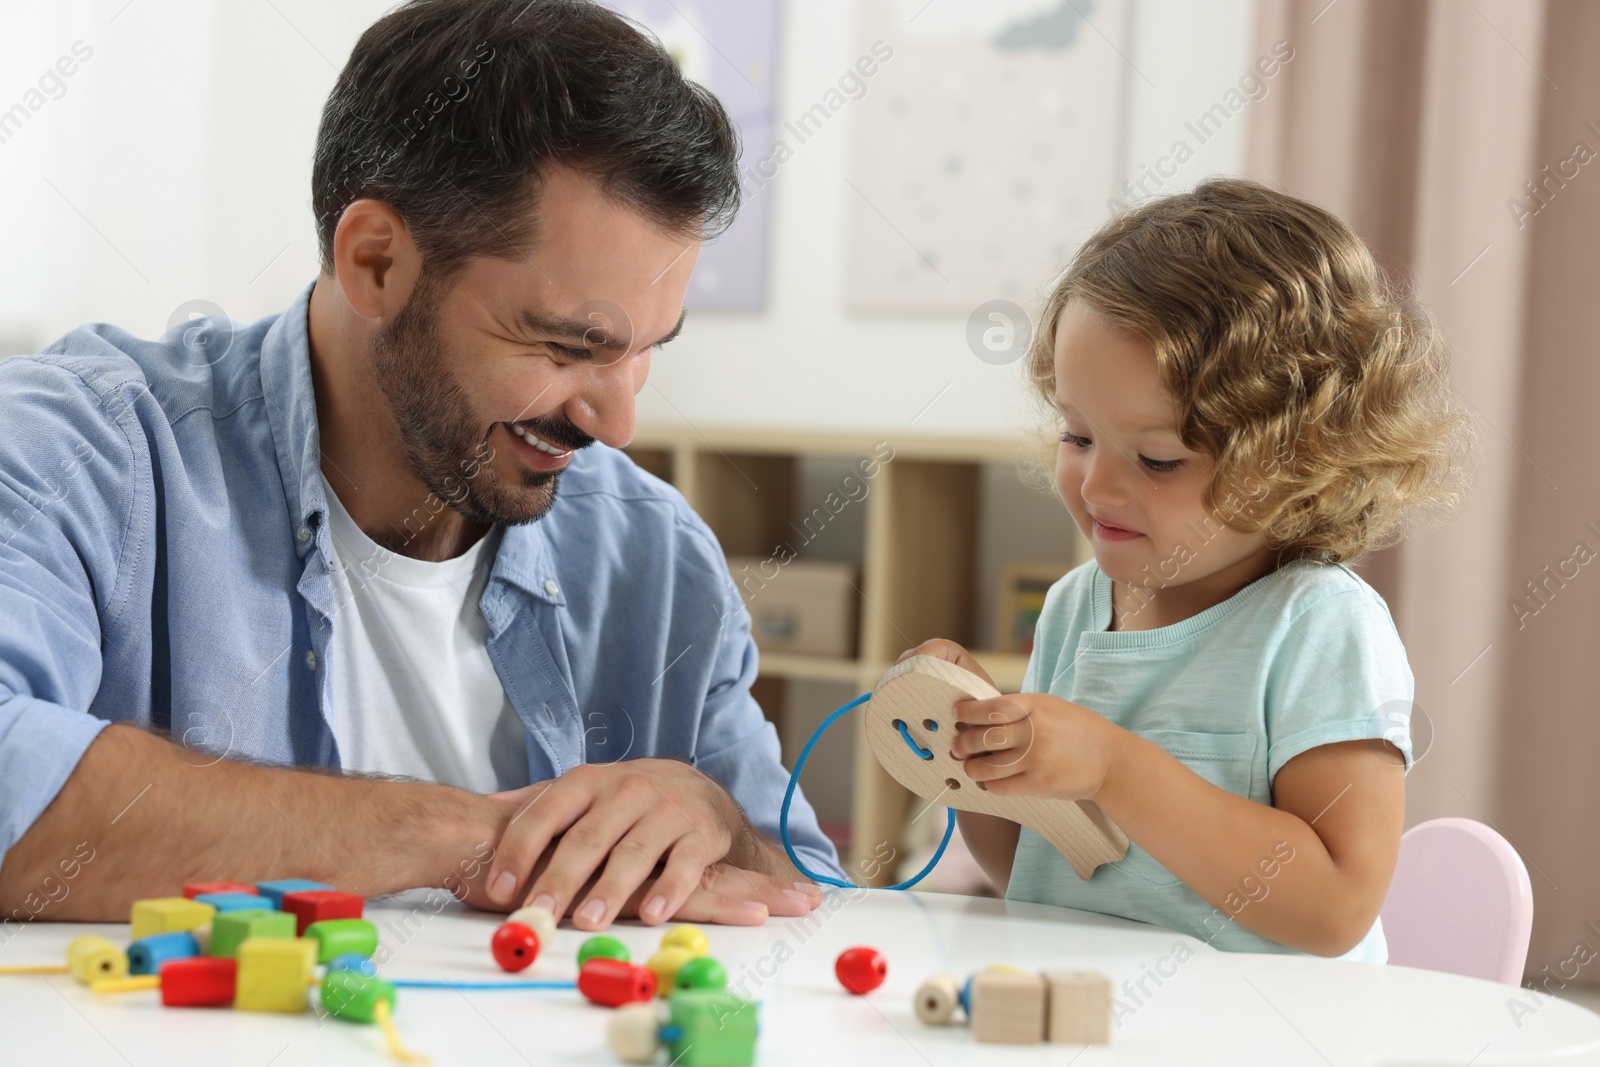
(59, 968)
(385, 1021)
(127, 985)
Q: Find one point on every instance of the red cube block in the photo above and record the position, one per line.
(314, 905)
(194, 889)
(199, 982)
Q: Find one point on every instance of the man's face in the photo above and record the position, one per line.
(498, 381)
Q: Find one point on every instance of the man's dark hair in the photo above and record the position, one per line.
(448, 109)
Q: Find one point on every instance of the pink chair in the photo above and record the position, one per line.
(1460, 902)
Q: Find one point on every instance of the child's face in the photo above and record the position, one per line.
(1121, 461)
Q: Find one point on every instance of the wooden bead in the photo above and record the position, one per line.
(1008, 1008)
(146, 955)
(515, 946)
(687, 936)
(702, 972)
(94, 959)
(611, 983)
(601, 946)
(540, 920)
(353, 997)
(200, 982)
(861, 969)
(342, 937)
(937, 999)
(1080, 1008)
(633, 1033)
(664, 965)
(202, 937)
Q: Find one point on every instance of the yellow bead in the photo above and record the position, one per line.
(92, 959)
(665, 963)
(688, 937)
(166, 915)
(274, 973)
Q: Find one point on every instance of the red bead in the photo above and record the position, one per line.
(195, 889)
(861, 969)
(515, 946)
(199, 982)
(314, 905)
(611, 983)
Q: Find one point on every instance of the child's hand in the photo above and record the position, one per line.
(1034, 744)
(950, 652)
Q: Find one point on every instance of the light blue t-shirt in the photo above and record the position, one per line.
(1305, 656)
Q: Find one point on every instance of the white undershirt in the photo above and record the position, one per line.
(414, 690)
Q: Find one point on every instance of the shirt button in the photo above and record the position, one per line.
(311, 660)
(551, 588)
(303, 534)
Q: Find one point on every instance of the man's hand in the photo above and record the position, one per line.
(603, 834)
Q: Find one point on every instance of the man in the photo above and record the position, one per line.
(387, 531)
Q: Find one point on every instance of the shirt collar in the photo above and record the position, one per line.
(292, 415)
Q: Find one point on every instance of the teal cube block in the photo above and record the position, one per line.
(233, 901)
(274, 891)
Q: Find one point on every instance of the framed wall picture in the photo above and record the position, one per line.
(1021, 599)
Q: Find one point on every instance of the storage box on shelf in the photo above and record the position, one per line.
(918, 575)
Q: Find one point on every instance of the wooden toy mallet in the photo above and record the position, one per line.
(909, 727)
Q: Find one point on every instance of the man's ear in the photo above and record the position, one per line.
(374, 259)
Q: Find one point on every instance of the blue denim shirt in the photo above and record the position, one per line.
(165, 555)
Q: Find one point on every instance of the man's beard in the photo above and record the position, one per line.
(448, 448)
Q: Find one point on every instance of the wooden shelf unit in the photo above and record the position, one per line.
(918, 568)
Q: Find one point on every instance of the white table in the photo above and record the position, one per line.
(1214, 1008)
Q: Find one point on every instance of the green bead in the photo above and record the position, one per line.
(354, 997)
(602, 947)
(702, 972)
(709, 1028)
(230, 928)
(339, 937)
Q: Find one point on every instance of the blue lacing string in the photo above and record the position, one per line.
(794, 780)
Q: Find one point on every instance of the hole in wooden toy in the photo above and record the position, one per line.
(951, 783)
(983, 786)
(905, 735)
(929, 724)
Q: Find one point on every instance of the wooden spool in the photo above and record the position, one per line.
(919, 692)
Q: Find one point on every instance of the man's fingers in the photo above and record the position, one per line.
(634, 860)
(586, 843)
(706, 906)
(780, 895)
(538, 818)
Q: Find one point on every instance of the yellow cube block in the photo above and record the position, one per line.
(166, 915)
(274, 973)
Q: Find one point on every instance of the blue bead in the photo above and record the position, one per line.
(146, 955)
(354, 961)
(274, 891)
(233, 901)
(966, 997)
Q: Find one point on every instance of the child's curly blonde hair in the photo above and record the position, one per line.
(1320, 388)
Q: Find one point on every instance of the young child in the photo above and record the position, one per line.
(1246, 406)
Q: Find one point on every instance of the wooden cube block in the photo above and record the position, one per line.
(1080, 1008)
(315, 905)
(231, 929)
(1008, 1007)
(195, 889)
(234, 901)
(166, 915)
(274, 891)
(714, 1028)
(274, 974)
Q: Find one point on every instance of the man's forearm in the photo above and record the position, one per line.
(157, 815)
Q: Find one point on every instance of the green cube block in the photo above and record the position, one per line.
(230, 928)
(352, 996)
(339, 937)
(710, 1028)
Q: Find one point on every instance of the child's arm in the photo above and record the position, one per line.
(1339, 807)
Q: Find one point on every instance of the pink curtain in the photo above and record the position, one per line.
(1462, 141)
